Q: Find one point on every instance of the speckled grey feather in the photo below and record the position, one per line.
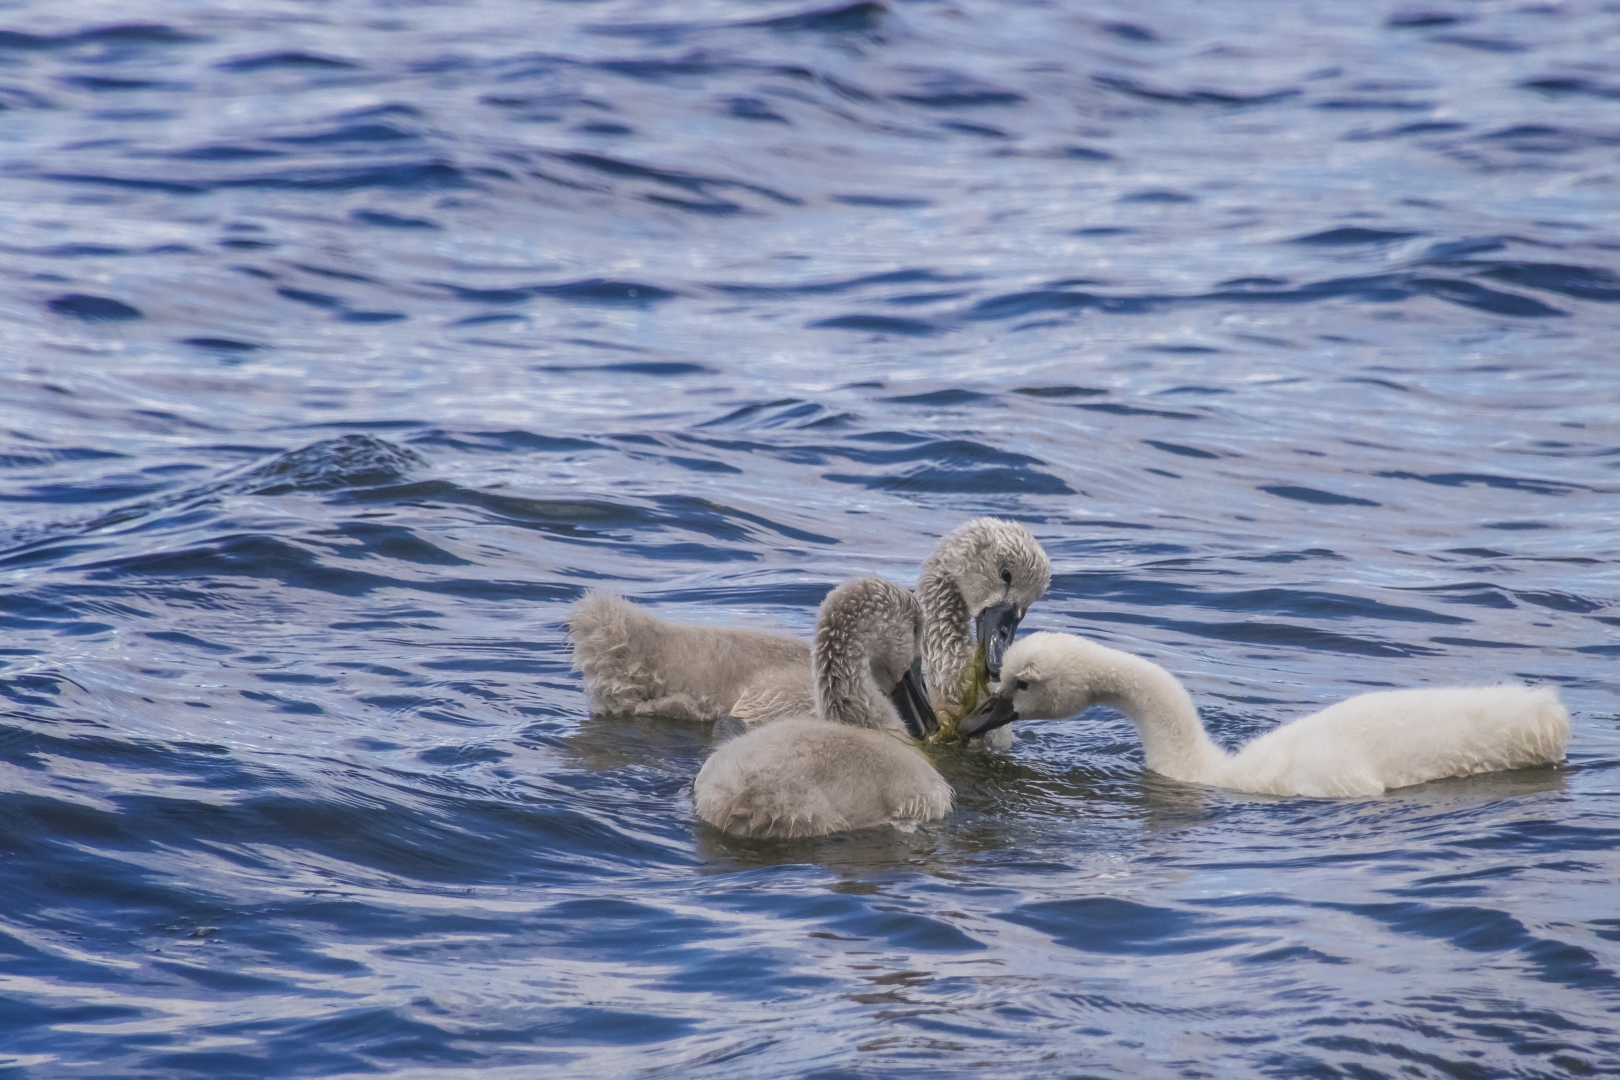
(960, 579)
(638, 664)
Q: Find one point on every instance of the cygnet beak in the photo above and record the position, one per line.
(996, 626)
(911, 701)
(997, 712)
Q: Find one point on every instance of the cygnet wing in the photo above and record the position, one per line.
(776, 694)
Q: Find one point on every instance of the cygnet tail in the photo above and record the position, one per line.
(1545, 734)
(604, 629)
(1489, 729)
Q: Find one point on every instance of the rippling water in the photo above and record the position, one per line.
(345, 343)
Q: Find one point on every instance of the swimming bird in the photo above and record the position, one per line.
(635, 663)
(975, 589)
(1365, 745)
(985, 573)
(854, 764)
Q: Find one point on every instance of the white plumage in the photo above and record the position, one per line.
(1365, 745)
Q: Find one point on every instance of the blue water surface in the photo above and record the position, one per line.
(344, 343)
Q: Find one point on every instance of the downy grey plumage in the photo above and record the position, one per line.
(853, 765)
(984, 574)
(637, 664)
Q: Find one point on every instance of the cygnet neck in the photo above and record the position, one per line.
(947, 644)
(1174, 742)
(846, 690)
(848, 694)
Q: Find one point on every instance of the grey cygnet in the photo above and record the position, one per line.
(855, 763)
(982, 577)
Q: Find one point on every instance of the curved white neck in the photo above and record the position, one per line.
(1174, 742)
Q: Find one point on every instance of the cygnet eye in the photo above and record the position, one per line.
(1023, 684)
(1006, 575)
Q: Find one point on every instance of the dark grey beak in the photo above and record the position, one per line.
(997, 712)
(996, 626)
(910, 699)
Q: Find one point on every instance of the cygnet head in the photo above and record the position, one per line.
(867, 658)
(1043, 676)
(998, 569)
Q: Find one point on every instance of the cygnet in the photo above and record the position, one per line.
(974, 590)
(855, 763)
(1363, 746)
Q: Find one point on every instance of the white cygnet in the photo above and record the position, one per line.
(1365, 745)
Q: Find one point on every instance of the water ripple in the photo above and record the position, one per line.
(349, 348)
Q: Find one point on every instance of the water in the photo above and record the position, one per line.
(346, 343)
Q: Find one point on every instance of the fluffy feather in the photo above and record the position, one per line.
(1362, 746)
(634, 663)
(852, 766)
(808, 777)
(961, 578)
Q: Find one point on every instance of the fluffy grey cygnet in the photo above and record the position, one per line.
(983, 575)
(637, 664)
(1364, 745)
(852, 765)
